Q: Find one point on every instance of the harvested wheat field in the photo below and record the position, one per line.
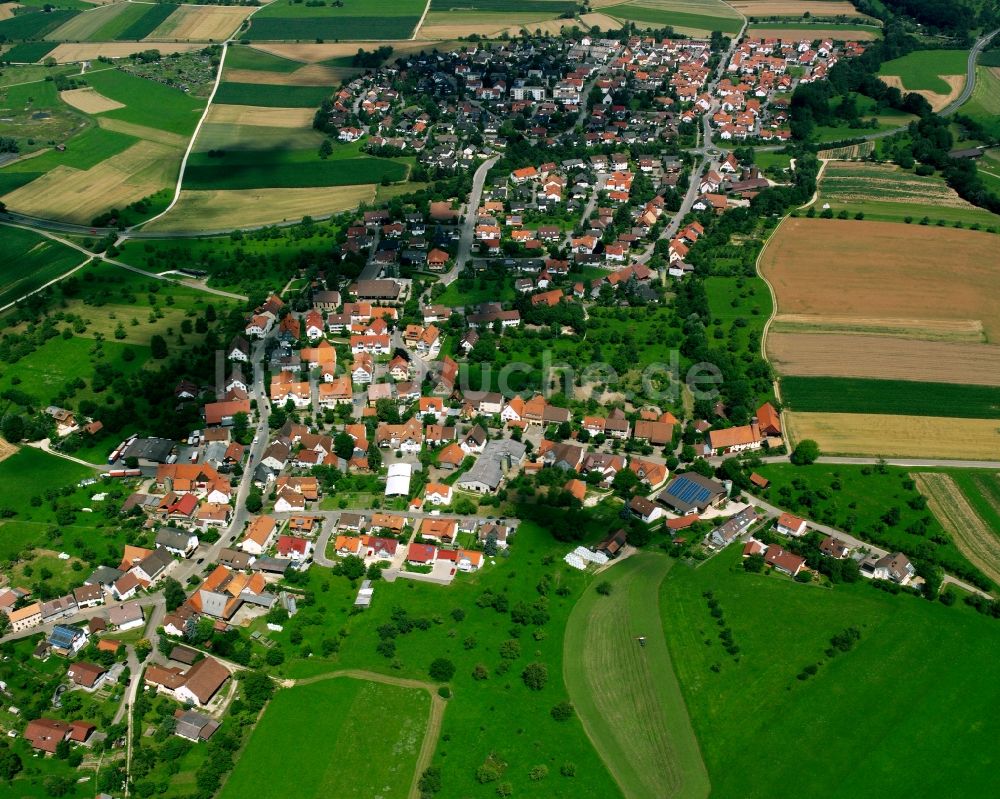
(6, 12)
(968, 331)
(89, 101)
(552, 27)
(311, 53)
(309, 75)
(814, 32)
(937, 101)
(453, 24)
(200, 23)
(885, 269)
(602, 21)
(143, 132)
(780, 8)
(221, 210)
(260, 116)
(968, 529)
(882, 435)
(75, 195)
(883, 357)
(90, 51)
(712, 8)
(85, 25)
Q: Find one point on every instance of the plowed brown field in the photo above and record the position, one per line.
(310, 75)
(883, 357)
(779, 8)
(885, 269)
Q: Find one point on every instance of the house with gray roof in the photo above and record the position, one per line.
(499, 458)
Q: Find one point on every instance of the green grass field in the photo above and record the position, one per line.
(250, 265)
(231, 137)
(32, 73)
(145, 23)
(101, 23)
(46, 371)
(356, 8)
(33, 111)
(984, 104)
(771, 160)
(264, 94)
(464, 292)
(23, 475)
(361, 19)
(907, 658)
(29, 260)
(742, 304)
(506, 6)
(33, 25)
(113, 22)
(982, 489)
(834, 133)
(83, 151)
(843, 31)
(921, 69)
(859, 395)
(626, 694)
(497, 715)
(364, 742)
(252, 169)
(249, 58)
(29, 52)
(856, 499)
(726, 21)
(148, 103)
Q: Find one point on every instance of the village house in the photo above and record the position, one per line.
(785, 562)
(787, 524)
(692, 493)
(259, 535)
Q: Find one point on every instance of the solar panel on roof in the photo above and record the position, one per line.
(689, 491)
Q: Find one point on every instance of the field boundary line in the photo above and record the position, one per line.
(434, 719)
(191, 141)
(774, 297)
(420, 22)
(201, 121)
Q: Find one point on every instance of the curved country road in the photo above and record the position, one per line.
(970, 73)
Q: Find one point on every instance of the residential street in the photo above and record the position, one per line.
(856, 543)
(469, 227)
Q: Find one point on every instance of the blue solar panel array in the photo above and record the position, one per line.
(688, 491)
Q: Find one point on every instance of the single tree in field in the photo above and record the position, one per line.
(441, 670)
(805, 452)
(535, 676)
